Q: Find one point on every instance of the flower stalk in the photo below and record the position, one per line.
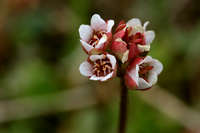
(122, 53)
(123, 108)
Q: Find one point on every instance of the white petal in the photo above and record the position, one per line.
(85, 32)
(107, 77)
(125, 56)
(97, 23)
(96, 57)
(133, 73)
(147, 59)
(85, 69)
(143, 48)
(143, 84)
(145, 25)
(153, 74)
(152, 78)
(110, 24)
(134, 22)
(112, 60)
(87, 46)
(101, 41)
(157, 66)
(136, 29)
(94, 77)
(149, 36)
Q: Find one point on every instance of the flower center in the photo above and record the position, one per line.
(96, 37)
(102, 67)
(137, 38)
(144, 71)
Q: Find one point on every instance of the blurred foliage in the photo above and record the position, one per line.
(40, 54)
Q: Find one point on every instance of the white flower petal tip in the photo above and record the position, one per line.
(144, 85)
(136, 25)
(158, 66)
(85, 69)
(99, 67)
(110, 75)
(152, 80)
(136, 29)
(96, 57)
(134, 22)
(110, 24)
(144, 72)
(102, 79)
(85, 32)
(145, 25)
(87, 47)
(97, 23)
(149, 36)
(113, 60)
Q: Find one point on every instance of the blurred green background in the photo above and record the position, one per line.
(41, 90)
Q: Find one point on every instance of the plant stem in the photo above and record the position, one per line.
(123, 108)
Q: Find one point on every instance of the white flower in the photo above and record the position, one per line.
(96, 36)
(137, 27)
(99, 67)
(142, 73)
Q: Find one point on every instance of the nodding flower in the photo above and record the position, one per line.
(99, 67)
(142, 73)
(95, 37)
(131, 40)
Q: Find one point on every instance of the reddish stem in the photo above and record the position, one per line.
(123, 108)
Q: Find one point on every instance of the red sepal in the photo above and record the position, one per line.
(121, 25)
(129, 82)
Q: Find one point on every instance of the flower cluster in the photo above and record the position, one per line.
(123, 52)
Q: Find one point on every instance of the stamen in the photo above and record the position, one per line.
(102, 67)
(97, 65)
(96, 37)
(98, 72)
(104, 71)
(107, 66)
(94, 69)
